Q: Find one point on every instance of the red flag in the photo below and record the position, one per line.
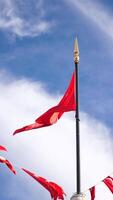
(109, 182)
(92, 192)
(9, 165)
(2, 148)
(50, 117)
(55, 190)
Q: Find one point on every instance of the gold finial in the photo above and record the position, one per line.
(76, 51)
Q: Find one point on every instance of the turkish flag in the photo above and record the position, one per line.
(2, 148)
(55, 190)
(50, 117)
(9, 165)
(109, 182)
(92, 192)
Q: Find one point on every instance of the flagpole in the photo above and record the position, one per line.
(78, 178)
(78, 194)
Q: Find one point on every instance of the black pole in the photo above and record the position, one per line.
(77, 133)
(76, 60)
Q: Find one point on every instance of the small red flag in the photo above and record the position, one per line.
(9, 165)
(55, 190)
(92, 192)
(50, 117)
(2, 148)
(109, 182)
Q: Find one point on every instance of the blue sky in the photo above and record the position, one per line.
(36, 48)
(47, 55)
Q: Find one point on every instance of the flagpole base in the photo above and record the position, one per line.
(78, 197)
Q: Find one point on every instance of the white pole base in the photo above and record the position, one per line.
(78, 197)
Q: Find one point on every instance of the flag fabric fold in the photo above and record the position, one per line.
(55, 190)
(109, 183)
(9, 165)
(2, 148)
(50, 117)
(92, 192)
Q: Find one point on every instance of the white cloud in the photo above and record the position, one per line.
(97, 13)
(50, 152)
(23, 19)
